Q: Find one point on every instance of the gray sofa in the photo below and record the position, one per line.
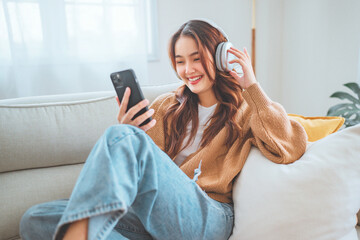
(44, 142)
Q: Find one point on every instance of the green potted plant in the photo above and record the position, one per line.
(349, 110)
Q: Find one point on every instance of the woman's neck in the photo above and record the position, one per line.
(207, 99)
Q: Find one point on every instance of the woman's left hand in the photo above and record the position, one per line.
(244, 60)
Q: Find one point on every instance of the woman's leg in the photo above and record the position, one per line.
(77, 230)
(126, 168)
(39, 222)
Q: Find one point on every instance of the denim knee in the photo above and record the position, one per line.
(122, 129)
(115, 133)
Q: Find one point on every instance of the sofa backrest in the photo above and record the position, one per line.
(56, 130)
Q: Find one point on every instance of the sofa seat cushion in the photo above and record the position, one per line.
(23, 189)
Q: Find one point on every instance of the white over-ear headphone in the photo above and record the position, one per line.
(222, 57)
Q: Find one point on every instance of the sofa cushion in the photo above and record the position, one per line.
(23, 189)
(318, 127)
(52, 133)
(317, 197)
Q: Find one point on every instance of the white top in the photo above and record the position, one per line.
(205, 114)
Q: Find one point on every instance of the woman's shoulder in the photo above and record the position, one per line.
(164, 100)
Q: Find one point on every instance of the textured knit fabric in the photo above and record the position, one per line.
(264, 124)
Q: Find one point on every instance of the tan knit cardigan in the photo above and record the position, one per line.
(265, 125)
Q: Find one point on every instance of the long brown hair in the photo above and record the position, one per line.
(227, 91)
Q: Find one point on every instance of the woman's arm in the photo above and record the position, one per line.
(280, 139)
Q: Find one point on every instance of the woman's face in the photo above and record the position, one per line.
(190, 69)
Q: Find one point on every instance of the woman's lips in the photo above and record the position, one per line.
(196, 81)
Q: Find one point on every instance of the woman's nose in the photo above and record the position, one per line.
(189, 68)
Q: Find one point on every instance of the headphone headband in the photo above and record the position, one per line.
(213, 24)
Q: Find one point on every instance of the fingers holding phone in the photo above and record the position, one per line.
(131, 116)
(146, 116)
(133, 107)
(124, 103)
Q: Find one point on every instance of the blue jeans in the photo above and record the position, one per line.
(130, 189)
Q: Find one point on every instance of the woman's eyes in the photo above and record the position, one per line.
(181, 62)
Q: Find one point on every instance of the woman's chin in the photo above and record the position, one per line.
(194, 89)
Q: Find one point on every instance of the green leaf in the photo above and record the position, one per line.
(354, 87)
(346, 113)
(337, 107)
(349, 123)
(344, 95)
(350, 111)
(344, 110)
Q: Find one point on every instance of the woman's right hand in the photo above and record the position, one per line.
(125, 117)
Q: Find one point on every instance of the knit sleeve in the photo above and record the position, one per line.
(280, 139)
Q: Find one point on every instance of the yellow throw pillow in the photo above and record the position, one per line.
(318, 127)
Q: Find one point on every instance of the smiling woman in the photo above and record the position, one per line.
(71, 46)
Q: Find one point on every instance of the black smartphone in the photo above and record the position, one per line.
(127, 78)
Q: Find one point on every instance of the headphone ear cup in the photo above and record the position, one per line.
(221, 56)
(218, 54)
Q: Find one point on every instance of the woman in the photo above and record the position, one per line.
(178, 183)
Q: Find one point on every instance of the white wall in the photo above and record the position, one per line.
(307, 50)
(269, 46)
(233, 16)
